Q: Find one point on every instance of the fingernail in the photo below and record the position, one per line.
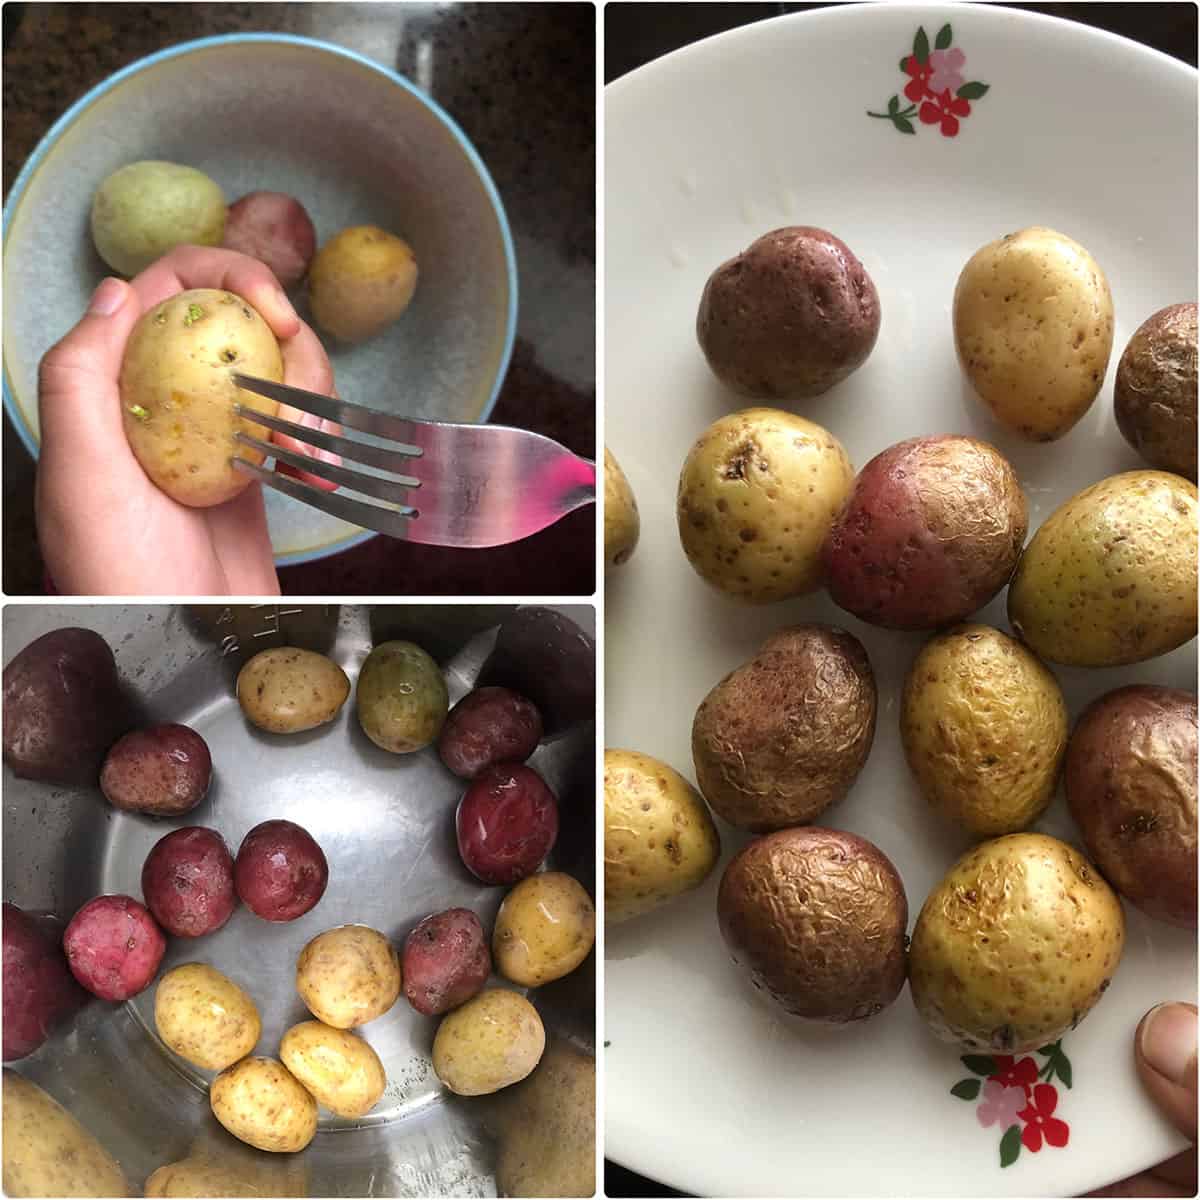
(1169, 1041)
(107, 298)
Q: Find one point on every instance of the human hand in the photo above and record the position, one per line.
(104, 528)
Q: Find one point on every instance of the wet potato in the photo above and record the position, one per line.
(289, 690)
(341, 1071)
(204, 1017)
(348, 976)
(402, 699)
(263, 1104)
(544, 929)
(494, 1040)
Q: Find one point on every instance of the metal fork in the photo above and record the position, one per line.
(444, 484)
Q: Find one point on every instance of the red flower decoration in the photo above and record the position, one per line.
(918, 86)
(1040, 1121)
(945, 109)
(1010, 1073)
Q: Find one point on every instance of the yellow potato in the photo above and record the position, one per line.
(263, 1104)
(621, 521)
(544, 929)
(348, 976)
(202, 1176)
(340, 1069)
(360, 281)
(205, 1017)
(287, 690)
(493, 1040)
(47, 1152)
(178, 394)
(1033, 327)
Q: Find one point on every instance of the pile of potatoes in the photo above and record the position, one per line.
(929, 531)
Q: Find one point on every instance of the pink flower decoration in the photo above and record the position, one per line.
(947, 70)
(1000, 1104)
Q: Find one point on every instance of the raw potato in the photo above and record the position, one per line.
(757, 495)
(402, 698)
(1015, 945)
(492, 1041)
(205, 1017)
(206, 1175)
(1110, 578)
(360, 282)
(348, 976)
(178, 393)
(544, 929)
(161, 770)
(274, 228)
(984, 727)
(659, 840)
(622, 525)
(287, 690)
(261, 1102)
(47, 1152)
(1033, 327)
(145, 209)
(39, 993)
(340, 1069)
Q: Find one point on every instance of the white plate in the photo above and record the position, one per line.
(707, 148)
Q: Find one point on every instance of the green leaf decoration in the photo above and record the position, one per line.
(1010, 1145)
(966, 1089)
(981, 1064)
(1063, 1067)
(904, 63)
(973, 91)
(903, 124)
(1051, 1050)
(944, 38)
(921, 45)
(894, 104)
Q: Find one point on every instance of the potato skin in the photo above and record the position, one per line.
(1033, 328)
(931, 532)
(1154, 396)
(289, 690)
(162, 770)
(545, 928)
(274, 228)
(622, 524)
(114, 947)
(789, 317)
(341, 1070)
(816, 918)
(659, 839)
(984, 727)
(1015, 945)
(1131, 787)
(488, 726)
(494, 1040)
(445, 961)
(348, 976)
(506, 823)
(784, 736)
(187, 881)
(263, 1104)
(207, 1175)
(178, 393)
(402, 698)
(361, 280)
(280, 872)
(1110, 577)
(757, 495)
(205, 1017)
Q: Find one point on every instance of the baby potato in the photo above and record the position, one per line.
(659, 839)
(178, 393)
(622, 525)
(348, 976)
(202, 1176)
(984, 727)
(493, 1040)
(757, 495)
(360, 281)
(544, 929)
(288, 690)
(340, 1069)
(1033, 327)
(205, 1017)
(402, 698)
(261, 1103)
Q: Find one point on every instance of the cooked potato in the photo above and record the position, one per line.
(360, 281)
(340, 1069)
(348, 976)
(402, 698)
(622, 525)
(544, 929)
(205, 1017)
(493, 1040)
(1033, 327)
(757, 495)
(287, 690)
(47, 1152)
(984, 727)
(1015, 945)
(178, 393)
(260, 1102)
(659, 840)
(1110, 577)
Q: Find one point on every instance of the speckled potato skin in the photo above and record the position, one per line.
(1131, 787)
(178, 393)
(544, 929)
(203, 1176)
(789, 317)
(784, 736)
(348, 976)
(361, 280)
(1110, 577)
(622, 524)
(1033, 328)
(205, 1017)
(816, 919)
(757, 495)
(930, 533)
(1015, 945)
(492, 1041)
(984, 727)
(288, 690)
(659, 839)
(263, 1104)
(340, 1069)
(46, 1150)
(402, 698)
(1154, 396)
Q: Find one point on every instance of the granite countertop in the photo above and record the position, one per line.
(520, 81)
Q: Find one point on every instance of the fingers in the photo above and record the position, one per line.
(1165, 1053)
(241, 543)
(306, 365)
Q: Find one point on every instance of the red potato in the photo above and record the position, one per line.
(114, 947)
(275, 229)
(488, 726)
(187, 881)
(162, 771)
(507, 823)
(445, 961)
(280, 872)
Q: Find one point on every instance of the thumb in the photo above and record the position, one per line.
(1165, 1052)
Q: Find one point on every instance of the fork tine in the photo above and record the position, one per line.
(356, 481)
